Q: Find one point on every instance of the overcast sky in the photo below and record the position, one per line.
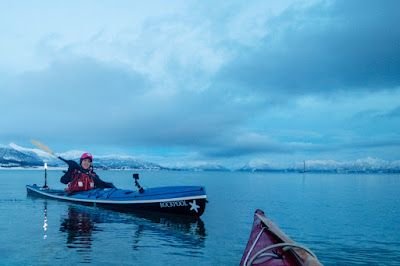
(227, 81)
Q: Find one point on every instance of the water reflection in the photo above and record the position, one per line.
(85, 226)
(45, 220)
(79, 226)
(189, 226)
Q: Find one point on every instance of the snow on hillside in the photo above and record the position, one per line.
(197, 166)
(10, 157)
(124, 162)
(264, 165)
(42, 155)
(71, 155)
(368, 164)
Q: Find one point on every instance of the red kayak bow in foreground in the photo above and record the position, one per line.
(268, 245)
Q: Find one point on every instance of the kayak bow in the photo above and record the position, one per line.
(268, 245)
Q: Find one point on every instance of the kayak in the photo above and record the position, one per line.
(184, 200)
(268, 245)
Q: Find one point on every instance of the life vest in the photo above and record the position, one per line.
(81, 182)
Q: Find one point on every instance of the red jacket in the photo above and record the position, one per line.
(72, 172)
(81, 181)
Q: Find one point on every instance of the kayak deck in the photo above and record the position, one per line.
(186, 200)
(268, 245)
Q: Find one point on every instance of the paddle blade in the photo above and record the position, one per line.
(43, 147)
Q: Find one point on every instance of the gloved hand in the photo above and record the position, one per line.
(101, 184)
(72, 165)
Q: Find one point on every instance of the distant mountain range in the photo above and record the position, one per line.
(14, 156)
(366, 165)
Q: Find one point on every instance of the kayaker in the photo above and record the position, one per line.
(81, 177)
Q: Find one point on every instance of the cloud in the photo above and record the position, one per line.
(395, 113)
(271, 148)
(322, 48)
(68, 97)
(251, 144)
(89, 101)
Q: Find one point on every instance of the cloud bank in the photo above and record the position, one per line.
(215, 81)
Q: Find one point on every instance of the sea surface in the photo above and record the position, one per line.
(345, 219)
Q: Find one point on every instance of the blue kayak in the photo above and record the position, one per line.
(185, 200)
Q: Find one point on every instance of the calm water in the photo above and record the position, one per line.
(344, 219)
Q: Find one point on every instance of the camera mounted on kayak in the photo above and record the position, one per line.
(136, 177)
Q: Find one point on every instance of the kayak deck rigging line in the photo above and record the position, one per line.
(284, 246)
(254, 243)
(97, 192)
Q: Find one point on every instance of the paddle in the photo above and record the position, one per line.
(74, 164)
(46, 149)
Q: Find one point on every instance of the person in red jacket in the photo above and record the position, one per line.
(81, 177)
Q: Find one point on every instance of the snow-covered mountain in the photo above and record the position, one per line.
(198, 166)
(43, 157)
(10, 157)
(124, 162)
(369, 164)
